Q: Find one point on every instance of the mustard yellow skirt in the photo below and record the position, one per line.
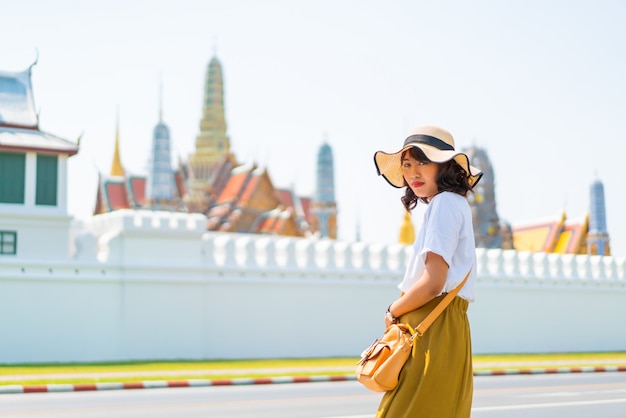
(437, 379)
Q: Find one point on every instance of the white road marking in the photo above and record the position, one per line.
(547, 405)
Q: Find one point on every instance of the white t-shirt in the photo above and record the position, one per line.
(447, 231)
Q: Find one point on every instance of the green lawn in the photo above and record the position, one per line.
(35, 374)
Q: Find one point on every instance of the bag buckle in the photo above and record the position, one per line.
(365, 355)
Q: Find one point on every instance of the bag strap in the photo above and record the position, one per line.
(427, 322)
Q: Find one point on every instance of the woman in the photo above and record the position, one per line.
(437, 379)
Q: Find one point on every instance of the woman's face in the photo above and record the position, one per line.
(420, 175)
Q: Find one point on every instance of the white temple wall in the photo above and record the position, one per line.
(50, 316)
(537, 302)
(38, 237)
(145, 285)
(527, 319)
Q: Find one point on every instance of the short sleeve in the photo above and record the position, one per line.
(442, 229)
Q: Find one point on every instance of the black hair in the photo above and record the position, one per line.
(450, 178)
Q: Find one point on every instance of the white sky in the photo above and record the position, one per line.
(539, 84)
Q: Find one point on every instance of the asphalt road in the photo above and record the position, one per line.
(589, 395)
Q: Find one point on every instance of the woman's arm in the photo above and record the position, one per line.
(425, 289)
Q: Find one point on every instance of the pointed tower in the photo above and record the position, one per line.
(488, 231)
(598, 236)
(116, 166)
(212, 143)
(407, 231)
(324, 208)
(160, 190)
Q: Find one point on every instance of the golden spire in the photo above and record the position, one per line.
(116, 166)
(407, 232)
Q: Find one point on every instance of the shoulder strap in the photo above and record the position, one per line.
(427, 322)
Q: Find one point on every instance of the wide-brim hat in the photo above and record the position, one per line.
(436, 143)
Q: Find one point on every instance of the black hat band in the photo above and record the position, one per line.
(429, 140)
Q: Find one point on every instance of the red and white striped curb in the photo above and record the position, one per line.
(161, 384)
(590, 369)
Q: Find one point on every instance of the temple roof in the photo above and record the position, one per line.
(19, 139)
(17, 104)
(247, 201)
(19, 129)
(272, 222)
(115, 192)
(301, 207)
(573, 237)
(540, 236)
(233, 187)
(129, 192)
(556, 235)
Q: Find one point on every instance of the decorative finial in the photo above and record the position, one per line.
(358, 226)
(160, 97)
(116, 167)
(36, 59)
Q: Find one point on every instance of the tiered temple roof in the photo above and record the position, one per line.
(19, 122)
(248, 202)
(557, 235)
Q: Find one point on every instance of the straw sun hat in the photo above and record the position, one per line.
(437, 145)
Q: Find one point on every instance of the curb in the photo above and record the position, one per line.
(162, 384)
(508, 372)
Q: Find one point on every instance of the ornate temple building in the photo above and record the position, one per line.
(26, 151)
(161, 189)
(586, 235)
(33, 175)
(235, 197)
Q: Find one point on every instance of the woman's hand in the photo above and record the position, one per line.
(426, 288)
(387, 322)
(389, 317)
